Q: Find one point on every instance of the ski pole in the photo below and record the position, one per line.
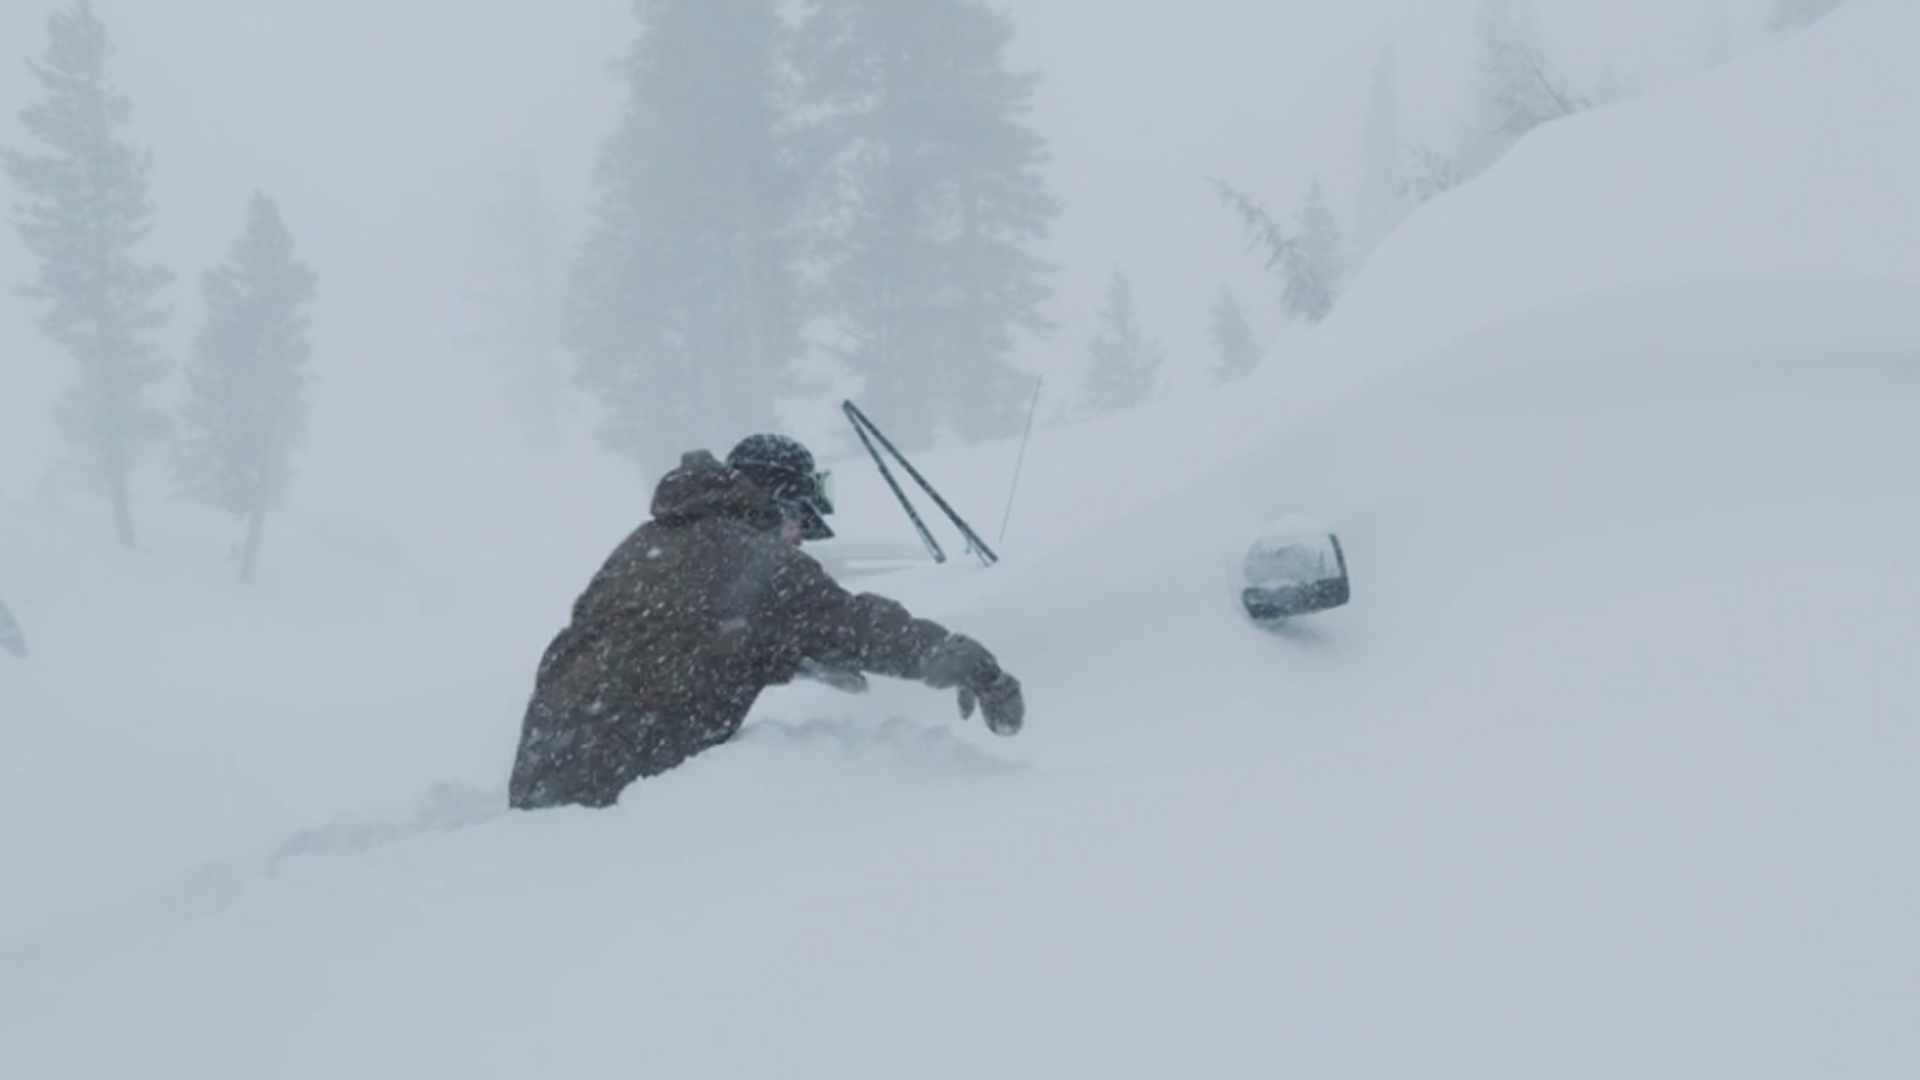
(926, 537)
(987, 555)
(1032, 410)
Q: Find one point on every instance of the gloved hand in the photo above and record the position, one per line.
(962, 662)
(958, 661)
(1001, 704)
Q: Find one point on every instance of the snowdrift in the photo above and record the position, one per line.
(1785, 164)
(1605, 770)
(1601, 770)
(168, 714)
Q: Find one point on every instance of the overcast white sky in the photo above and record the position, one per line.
(376, 122)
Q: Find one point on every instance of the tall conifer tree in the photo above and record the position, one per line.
(82, 205)
(684, 316)
(931, 187)
(1236, 348)
(247, 413)
(1123, 361)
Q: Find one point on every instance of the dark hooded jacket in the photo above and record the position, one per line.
(693, 615)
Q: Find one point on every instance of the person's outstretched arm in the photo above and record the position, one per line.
(871, 633)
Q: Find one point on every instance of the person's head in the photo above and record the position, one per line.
(783, 469)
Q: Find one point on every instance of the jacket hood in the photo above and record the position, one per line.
(702, 487)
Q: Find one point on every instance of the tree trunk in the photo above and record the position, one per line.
(256, 524)
(122, 511)
(122, 500)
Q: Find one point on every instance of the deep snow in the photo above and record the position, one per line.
(1606, 771)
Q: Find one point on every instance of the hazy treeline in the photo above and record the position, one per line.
(796, 195)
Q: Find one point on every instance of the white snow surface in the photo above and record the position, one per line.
(1606, 771)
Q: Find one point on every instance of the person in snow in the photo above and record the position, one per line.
(700, 609)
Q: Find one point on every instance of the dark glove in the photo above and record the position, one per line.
(1001, 704)
(962, 662)
(958, 661)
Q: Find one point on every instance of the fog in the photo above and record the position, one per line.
(380, 126)
(1591, 362)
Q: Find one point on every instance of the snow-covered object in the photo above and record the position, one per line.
(1292, 566)
(1292, 550)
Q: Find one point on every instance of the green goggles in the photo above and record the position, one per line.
(813, 489)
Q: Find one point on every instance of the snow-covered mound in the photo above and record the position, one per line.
(1786, 163)
(1603, 768)
(1605, 771)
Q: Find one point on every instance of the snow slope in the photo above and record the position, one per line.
(1606, 771)
(169, 715)
(1791, 162)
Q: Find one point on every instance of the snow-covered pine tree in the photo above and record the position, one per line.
(1790, 15)
(1310, 262)
(1516, 87)
(684, 316)
(1263, 232)
(514, 293)
(82, 205)
(1314, 262)
(1430, 174)
(932, 191)
(1123, 362)
(1236, 348)
(1382, 172)
(247, 408)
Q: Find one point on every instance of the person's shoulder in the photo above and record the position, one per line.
(793, 568)
(643, 536)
